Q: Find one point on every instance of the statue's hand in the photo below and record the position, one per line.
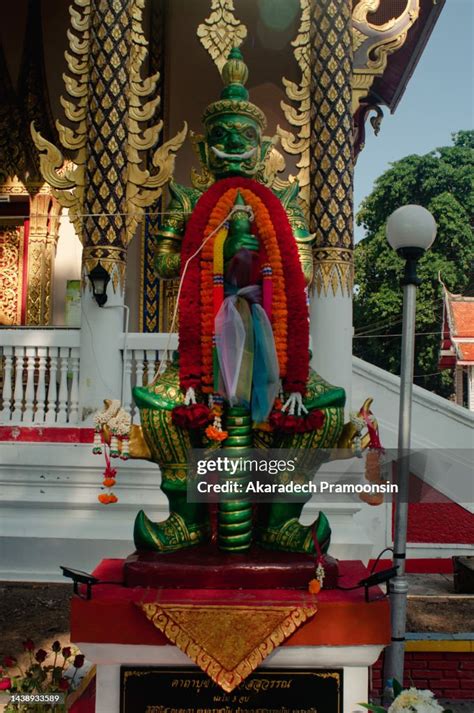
(235, 243)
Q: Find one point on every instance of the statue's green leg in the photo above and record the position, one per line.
(278, 523)
(188, 523)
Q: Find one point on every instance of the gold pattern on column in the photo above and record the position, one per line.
(299, 116)
(221, 31)
(168, 297)
(334, 271)
(107, 190)
(331, 209)
(373, 43)
(42, 238)
(11, 274)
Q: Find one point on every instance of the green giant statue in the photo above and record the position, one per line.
(239, 241)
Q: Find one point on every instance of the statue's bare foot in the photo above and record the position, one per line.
(292, 536)
(171, 535)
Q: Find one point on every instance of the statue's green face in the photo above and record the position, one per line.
(233, 145)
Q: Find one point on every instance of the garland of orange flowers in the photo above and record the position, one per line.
(219, 213)
(264, 228)
(197, 294)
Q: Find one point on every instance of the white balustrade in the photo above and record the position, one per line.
(39, 370)
(39, 373)
(74, 395)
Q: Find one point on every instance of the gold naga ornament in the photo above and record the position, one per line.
(105, 187)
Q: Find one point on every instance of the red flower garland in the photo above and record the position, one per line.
(298, 336)
(190, 298)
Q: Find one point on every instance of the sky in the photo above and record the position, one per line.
(438, 100)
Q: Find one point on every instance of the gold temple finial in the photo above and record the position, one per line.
(221, 31)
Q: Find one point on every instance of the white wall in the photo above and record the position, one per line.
(67, 266)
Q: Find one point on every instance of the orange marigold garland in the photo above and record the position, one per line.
(197, 294)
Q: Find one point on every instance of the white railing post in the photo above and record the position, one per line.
(41, 387)
(52, 386)
(127, 383)
(74, 399)
(7, 393)
(30, 358)
(150, 364)
(139, 356)
(62, 399)
(18, 388)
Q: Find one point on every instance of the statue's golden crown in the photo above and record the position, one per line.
(234, 97)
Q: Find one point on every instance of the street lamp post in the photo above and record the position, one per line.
(411, 230)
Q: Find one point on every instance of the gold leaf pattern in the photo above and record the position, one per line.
(225, 646)
(221, 31)
(299, 117)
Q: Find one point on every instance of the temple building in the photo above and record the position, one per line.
(101, 106)
(457, 349)
(76, 195)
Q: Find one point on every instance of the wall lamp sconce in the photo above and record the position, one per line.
(99, 278)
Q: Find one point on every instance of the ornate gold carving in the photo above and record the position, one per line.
(113, 259)
(43, 234)
(11, 274)
(373, 43)
(168, 297)
(272, 163)
(14, 186)
(143, 187)
(299, 117)
(67, 179)
(202, 179)
(220, 641)
(333, 271)
(371, 46)
(107, 190)
(221, 31)
(331, 145)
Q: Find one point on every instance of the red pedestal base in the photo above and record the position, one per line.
(206, 567)
(343, 618)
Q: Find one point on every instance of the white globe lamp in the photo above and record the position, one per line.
(411, 230)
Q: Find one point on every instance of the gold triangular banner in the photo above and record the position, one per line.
(227, 642)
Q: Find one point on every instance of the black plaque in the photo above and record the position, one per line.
(189, 690)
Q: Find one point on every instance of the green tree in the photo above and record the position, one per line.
(441, 181)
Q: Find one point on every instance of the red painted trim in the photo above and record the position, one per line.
(436, 565)
(46, 434)
(24, 282)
